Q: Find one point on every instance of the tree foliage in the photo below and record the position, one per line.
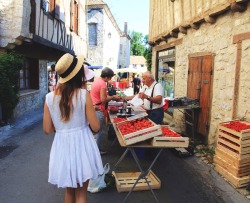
(139, 47)
(9, 89)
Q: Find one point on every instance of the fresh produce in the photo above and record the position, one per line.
(169, 133)
(113, 109)
(118, 120)
(133, 126)
(236, 125)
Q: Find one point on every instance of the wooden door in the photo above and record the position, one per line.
(199, 84)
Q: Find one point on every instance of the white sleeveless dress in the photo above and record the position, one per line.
(74, 156)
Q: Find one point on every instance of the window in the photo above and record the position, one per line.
(45, 5)
(29, 74)
(92, 34)
(74, 16)
(166, 67)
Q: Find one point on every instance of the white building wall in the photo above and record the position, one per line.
(124, 52)
(111, 45)
(95, 53)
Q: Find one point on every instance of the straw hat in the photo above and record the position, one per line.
(68, 66)
(89, 74)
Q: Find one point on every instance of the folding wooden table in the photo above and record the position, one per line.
(131, 148)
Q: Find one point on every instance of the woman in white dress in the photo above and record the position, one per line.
(69, 111)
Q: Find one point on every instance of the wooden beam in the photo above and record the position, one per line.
(210, 19)
(195, 26)
(239, 37)
(168, 45)
(237, 7)
(174, 34)
(183, 30)
(236, 79)
(151, 43)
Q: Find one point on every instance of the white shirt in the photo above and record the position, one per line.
(158, 90)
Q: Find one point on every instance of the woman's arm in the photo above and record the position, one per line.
(106, 98)
(91, 114)
(48, 126)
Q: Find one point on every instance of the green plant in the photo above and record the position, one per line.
(9, 89)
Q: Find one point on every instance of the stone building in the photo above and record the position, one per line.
(41, 30)
(207, 43)
(106, 42)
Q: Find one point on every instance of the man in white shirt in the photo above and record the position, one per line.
(152, 94)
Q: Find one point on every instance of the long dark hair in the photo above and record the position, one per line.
(67, 91)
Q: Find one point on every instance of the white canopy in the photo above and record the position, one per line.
(130, 70)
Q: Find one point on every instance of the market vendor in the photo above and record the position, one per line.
(151, 93)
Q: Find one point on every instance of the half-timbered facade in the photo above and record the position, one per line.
(41, 30)
(207, 43)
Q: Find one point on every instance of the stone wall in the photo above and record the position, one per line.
(32, 100)
(217, 39)
(12, 27)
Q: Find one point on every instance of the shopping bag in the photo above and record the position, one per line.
(98, 184)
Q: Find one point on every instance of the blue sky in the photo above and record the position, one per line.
(134, 12)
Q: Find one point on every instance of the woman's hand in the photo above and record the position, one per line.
(116, 97)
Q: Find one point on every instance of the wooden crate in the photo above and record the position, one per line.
(236, 171)
(243, 135)
(171, 142)
(141, 135)
(125, 181)
(236, 144)
(235, 181)
(163, 141)
(232, 152)
(232, 160)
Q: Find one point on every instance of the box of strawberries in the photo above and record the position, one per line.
(138, 128)
(170, 138)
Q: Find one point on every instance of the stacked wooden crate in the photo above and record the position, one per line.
(232, 154)
(170, 139)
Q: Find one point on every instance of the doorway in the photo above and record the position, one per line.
(199, 87)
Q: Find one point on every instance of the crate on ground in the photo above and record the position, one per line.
(235, 143)
(236, 171)
(135, 135)
(232, 154)
(242, 135)
(125, 181)
(237, 182)
(169, 140)
(232, 160)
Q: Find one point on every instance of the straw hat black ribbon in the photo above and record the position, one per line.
(70, 68)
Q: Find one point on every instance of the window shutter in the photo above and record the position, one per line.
(72, 15)
(52, 7)
(76, 17)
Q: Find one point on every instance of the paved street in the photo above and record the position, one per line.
(24, 157)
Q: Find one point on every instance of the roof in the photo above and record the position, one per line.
(137, 60)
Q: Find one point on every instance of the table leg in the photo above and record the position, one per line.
(143, 174)
(121, 158)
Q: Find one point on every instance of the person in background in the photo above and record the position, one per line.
(88, 76)
(100, 97)
(69, 112)
(136, 83)
(52, 78)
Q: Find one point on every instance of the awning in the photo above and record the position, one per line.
(130, 70)
(95, 67)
